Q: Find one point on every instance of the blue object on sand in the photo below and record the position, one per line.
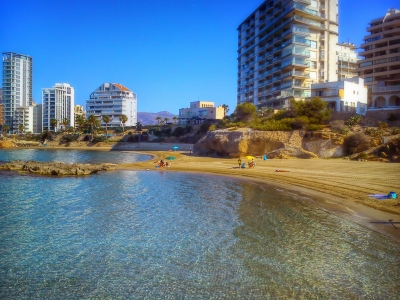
(265, 157)
(243, 165)
(390, 195)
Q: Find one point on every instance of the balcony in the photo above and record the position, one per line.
(384, 89)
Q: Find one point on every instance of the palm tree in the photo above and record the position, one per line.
(54, 123)
(65, 123)
(175, 119)
(226, 109)
(21, 128)
(106, 119)
(93, 122)
(166, 120)
(139, 126)
(5, 128)
(158, 119)
(123, 120)
(80, 121)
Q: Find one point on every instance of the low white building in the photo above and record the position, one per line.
(199, 112)
(349, 94)
(114, 100)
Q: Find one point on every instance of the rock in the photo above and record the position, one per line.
(56, 168)
(7, 144)
(276, 144)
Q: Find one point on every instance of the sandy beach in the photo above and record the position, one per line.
(339, 186)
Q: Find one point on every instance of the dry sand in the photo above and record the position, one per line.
(337, 185)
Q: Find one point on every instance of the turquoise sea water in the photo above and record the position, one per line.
(165, 235)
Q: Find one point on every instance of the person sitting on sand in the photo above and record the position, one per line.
(239, 162)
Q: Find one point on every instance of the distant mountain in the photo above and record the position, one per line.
(146, 118)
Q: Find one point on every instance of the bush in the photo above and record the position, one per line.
(392, 117)
(395, 131)
(87, 138)
(188, 128)
(179, 131)
(47, 135)
(354, 120)
(68, 138)
(117, 129)
(314, 127)
(212, 127)
(99, 138)
(345, 130)
(352, 141)
(337, 125)
(133, 139)
(371, 132)
(204, 127)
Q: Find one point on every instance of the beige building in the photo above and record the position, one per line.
(79, 110)
(284, 47)
(199, 112)
(347, 60)
(380, 66)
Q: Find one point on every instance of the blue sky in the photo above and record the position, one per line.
(170, 52)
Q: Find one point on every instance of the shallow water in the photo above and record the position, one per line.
(71, 156)
(149, 234)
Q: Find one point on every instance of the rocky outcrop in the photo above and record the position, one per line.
(56, 168)
(276, 144)
(7, 144)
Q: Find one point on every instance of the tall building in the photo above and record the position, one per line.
(37, 118)
(114, 100)
(380, 66)
(17, 84)
(283, 47)
(347, 60)
(23, 119)
(1, 97)
(58, 103)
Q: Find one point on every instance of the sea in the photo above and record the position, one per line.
(159, 234)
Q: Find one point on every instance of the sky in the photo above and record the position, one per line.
(169, 52)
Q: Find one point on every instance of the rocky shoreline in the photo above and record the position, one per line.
(56, 168)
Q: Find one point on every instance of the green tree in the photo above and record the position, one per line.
(175, 119)
(166, 120)
(65, 123)
(315, 109)
(21, 128)
(106, 119)
(93, 123)
(5, 128)
(158, 119)
(226, 109)
(123, 119)
(80, 121)
(54, 123)
(245, 111)
(139, 126)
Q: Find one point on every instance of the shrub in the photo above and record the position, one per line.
(354, 120)
(345, 130)
(314, 127)
(395, 131)
(188, 128)
(67, 138)
(371, 132)
(392, 117)
(117, 129)
(204, 127)
(337, 125)
(86, 138)
(133, 139)
(99, 138)
(352, 141)
(179, 131)
(130, 133)
(212, 127)
(47, 135)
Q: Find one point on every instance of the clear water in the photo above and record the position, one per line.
(165, 235)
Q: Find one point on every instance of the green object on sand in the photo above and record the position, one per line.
(170, 158)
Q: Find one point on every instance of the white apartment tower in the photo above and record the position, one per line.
(347, 60)
(58, 103)
(17, 85)
(114, 100)
(283, 47)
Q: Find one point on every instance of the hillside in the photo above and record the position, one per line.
(147, 118)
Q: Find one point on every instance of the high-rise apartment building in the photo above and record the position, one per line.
(58, 103)
(380, 66)
(1, 97)
(347, 60)
(283, 47)
(17, 84)
(37, 118)
(114, 100)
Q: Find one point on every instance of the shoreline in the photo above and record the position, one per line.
(337, 186)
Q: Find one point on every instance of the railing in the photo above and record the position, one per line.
(386, 88)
